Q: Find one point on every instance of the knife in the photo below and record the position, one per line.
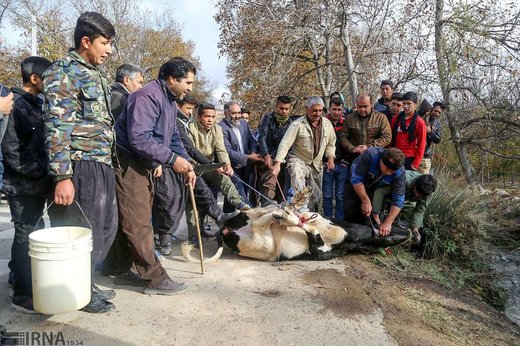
(200, 169)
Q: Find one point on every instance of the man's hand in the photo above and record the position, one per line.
(330, 164)
(255, 157)
(228, 170)
(366, 207)
(275, 168)
(268, 161)
(181, 165)
(157, 172)
(359, 149)
(428, 129)
(6, 104)
(385, 228)
(190, 178)
(64, 192)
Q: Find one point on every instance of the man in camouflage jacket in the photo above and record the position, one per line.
(80, 142)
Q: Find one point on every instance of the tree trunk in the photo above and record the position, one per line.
(349, 61)
(443, 73)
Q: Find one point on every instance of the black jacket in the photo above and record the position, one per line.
(432, 137)
(23, 148)
(270, 134)
(119, 94)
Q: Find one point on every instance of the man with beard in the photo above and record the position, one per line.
(241, 146)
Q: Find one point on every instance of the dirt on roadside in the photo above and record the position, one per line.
(416, 311)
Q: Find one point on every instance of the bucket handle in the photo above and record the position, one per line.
(50, 205)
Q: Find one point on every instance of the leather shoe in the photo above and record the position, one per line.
(104, 294)
(221, 220)
(129, 278)
(167, 287)
(97, 305)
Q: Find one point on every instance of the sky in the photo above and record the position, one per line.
(195, 18)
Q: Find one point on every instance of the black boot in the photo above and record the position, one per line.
(97, 305)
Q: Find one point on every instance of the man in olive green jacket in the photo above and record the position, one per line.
(307, 141)
(419, 189)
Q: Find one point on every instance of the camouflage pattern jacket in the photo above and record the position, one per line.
(79, 125)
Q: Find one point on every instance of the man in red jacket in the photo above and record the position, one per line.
(409, 132)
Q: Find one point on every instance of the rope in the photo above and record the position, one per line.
(255, 190)
(280, 188)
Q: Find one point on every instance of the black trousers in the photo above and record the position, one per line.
(25, 212)
(169, 204)
(94, 184)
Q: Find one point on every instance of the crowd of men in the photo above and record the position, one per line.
(125, 154)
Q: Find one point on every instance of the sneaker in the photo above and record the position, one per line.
(165, 250)
(129, 279)
(23, 304)
(166, 288)
(159, 256)
(97, 305)
(104, 294)
(221, 220)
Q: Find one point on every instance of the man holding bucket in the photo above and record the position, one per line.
(81, 142)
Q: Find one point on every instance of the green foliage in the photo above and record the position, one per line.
(457, 226)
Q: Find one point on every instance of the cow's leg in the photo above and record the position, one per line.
(318, 250)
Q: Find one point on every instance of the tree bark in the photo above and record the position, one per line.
(349, 61)
(443, 74)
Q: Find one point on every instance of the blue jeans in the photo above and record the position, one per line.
(334, 181)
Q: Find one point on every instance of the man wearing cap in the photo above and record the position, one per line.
(386, 88)
(419, 189)
(375, 168)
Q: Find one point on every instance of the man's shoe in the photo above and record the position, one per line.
(166, 288)
(129, 279)
(23, 304)
(104, 294)
(221, 220)
(165, 250)
(97, 305)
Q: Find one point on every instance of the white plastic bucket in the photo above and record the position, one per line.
(60, 265)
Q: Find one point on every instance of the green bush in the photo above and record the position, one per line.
(457, 224)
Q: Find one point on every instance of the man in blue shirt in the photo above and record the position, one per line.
(376, 167)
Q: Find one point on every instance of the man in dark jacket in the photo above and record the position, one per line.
(129, 78)
(386, 88)
(271, 130)
(363, 129)
(26, 182)
(433, 136)
(242, 147)
(147, 137)
(334, 180)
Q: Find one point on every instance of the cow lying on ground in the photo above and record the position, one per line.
(281, 233)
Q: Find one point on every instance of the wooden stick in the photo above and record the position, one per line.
(196, 215)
